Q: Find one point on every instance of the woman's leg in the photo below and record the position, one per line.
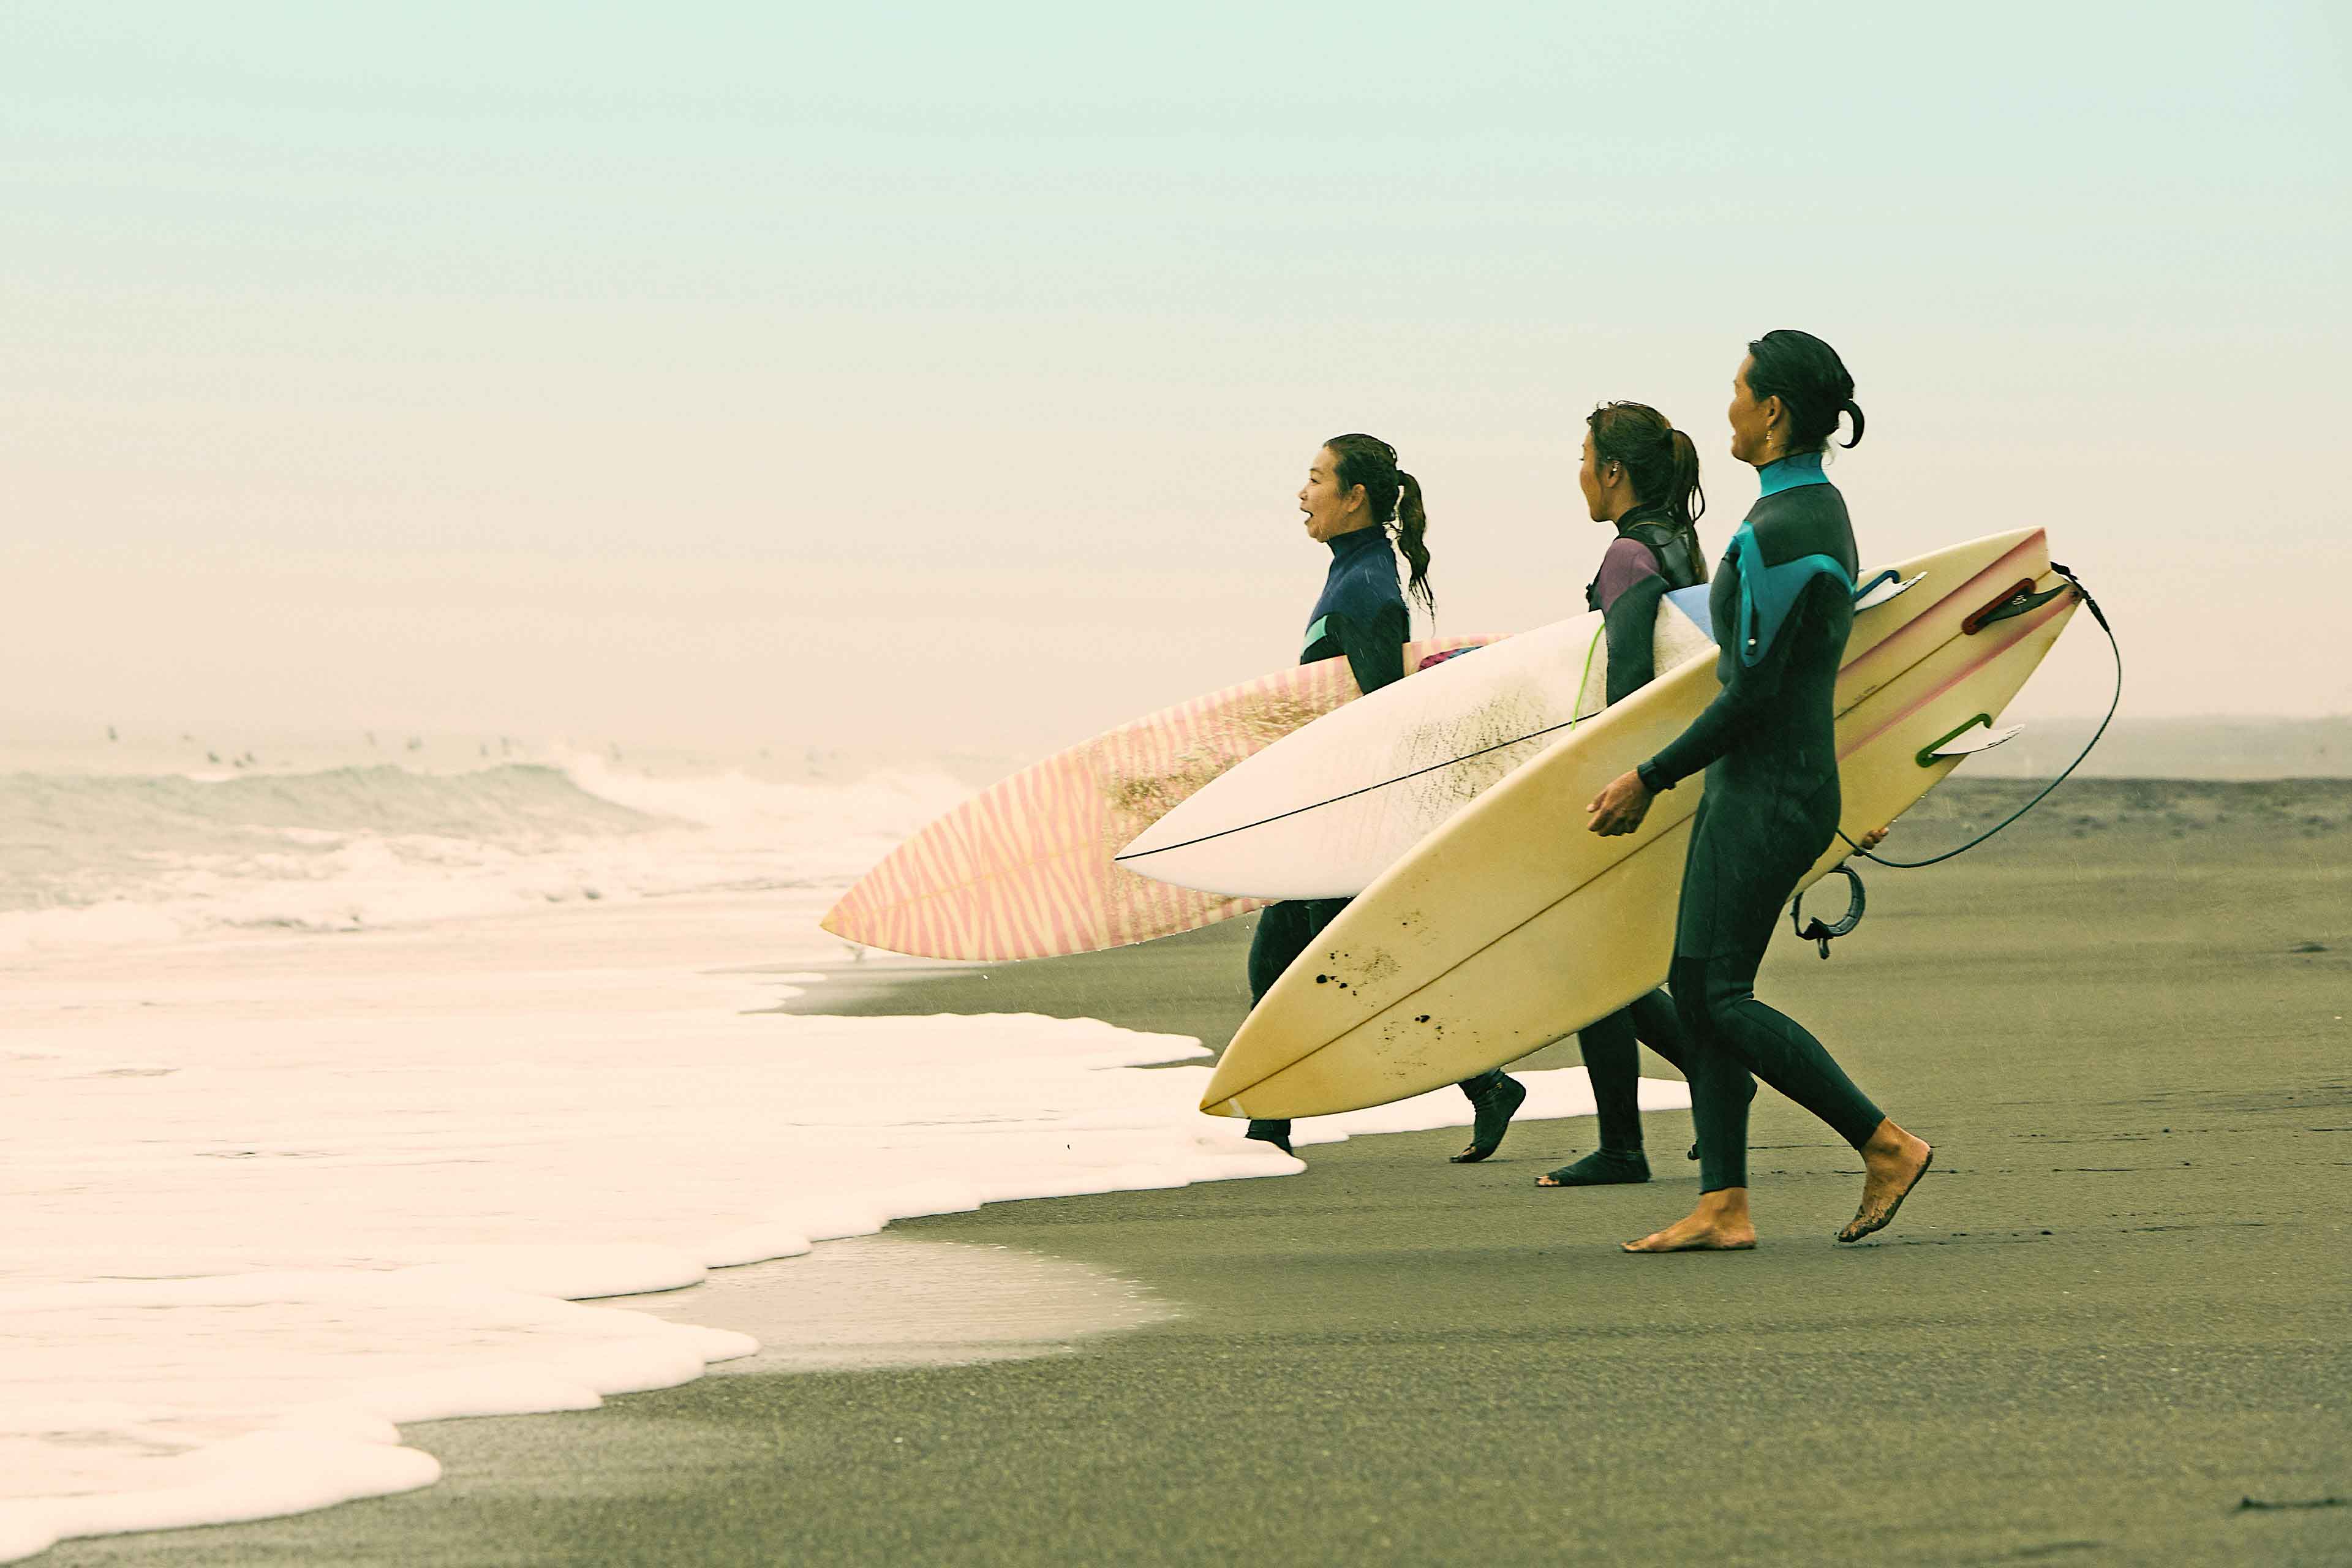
(1737, 879)
(1283, 931)
(1774, 1047)
(1786, 1056)
(1494, 1097)
(1715, 911)
(1656, 1026)
(1720, 1083)
(1733, 893)
(1281, 936)
(1613, 1061)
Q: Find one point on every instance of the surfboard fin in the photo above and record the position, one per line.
(1888, 584)
(1961, 742)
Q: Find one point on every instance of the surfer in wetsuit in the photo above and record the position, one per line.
(1354, 490)
(1641, 475)
(1782, 606)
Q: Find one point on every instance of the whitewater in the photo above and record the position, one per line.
(341, 1094)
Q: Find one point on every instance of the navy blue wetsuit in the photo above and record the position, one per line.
(1360, 615)
(1782, 606)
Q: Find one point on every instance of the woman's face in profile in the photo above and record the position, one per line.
(1331, 510)
(1588, 479)
(1751, 422)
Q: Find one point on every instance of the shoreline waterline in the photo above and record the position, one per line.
(286, 1195)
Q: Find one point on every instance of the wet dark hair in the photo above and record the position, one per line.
(1394, 495)
(1660, 460)
(1805, 373)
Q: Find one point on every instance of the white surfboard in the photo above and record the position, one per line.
(1321, 812)
(1472, 951)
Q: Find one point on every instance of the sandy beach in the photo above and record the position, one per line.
(2109, 1329)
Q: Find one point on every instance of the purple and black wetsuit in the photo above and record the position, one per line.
(1649, 558)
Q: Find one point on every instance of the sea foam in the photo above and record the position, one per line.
(274, 1194)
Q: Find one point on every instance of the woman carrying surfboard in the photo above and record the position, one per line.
(1782, 607)
(1354, 490)
(1641, 476)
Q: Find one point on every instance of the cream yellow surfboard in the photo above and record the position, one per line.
(1512, 926)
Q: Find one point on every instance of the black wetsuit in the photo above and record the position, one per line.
(1782, 606)
(1648, 558)
(1361, 615)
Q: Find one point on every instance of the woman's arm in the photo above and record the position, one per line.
(1632, 619)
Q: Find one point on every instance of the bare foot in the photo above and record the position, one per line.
(1719, 1224)
(1892, 1162)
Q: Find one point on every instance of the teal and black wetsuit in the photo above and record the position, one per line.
(1648, 559)
(1782, 606)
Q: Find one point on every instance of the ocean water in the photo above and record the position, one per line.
(123, 842)
(348, 1092)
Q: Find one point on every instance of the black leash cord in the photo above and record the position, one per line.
(2096, 614)
(1825, 934)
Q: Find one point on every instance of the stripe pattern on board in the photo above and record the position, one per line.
(1024, 869)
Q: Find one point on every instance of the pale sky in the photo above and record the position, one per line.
(889, 374)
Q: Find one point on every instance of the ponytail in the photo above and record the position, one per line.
(1686, 502)
(1392, 496)
(1413, 528)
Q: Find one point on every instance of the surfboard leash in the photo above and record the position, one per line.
(1825, 934)
(2001, 612)
(1585, 679)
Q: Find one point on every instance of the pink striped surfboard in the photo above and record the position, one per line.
(1025, 871)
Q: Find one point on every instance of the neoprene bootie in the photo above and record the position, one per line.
(1275, 1132)
(1601, 1168)
(1494, 1097)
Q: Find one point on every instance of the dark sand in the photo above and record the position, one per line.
(2116, 1309)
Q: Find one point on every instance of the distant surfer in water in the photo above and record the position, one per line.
(1354, 490)
(1640, 474)
(1782, 606)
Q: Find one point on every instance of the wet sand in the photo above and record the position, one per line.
(2116, 1311)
